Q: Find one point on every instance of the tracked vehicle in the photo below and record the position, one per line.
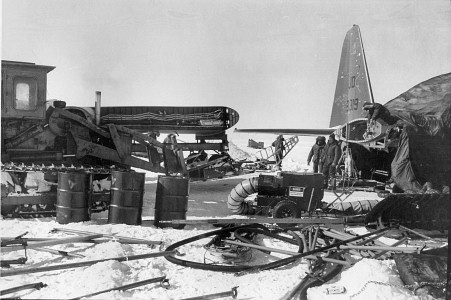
(41, 138)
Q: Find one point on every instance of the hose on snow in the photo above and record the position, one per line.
(226, 268)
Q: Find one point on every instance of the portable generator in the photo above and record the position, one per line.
(289, 194)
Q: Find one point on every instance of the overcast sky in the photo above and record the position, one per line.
(275, 62)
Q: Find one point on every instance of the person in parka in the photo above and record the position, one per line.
(315, 154)
(330, 157)
(279, 148)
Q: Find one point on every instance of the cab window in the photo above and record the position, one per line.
(25, 93)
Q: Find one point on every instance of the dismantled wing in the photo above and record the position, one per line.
(304, 132)
(353, 85)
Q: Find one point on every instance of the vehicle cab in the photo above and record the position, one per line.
(24, 89)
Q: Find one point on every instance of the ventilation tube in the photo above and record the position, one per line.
(355, 207)
(235, 201)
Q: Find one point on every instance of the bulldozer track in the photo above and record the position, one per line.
(42, 204)
(422, 211)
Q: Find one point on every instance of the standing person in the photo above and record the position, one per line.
(170, 139)
(279, 148)
(330, 157)
(315, 154)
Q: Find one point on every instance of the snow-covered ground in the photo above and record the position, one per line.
(365, 279)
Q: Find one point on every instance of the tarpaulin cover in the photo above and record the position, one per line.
(426, 106)
(423, 153)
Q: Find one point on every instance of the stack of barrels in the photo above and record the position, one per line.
(74, 197)
(126, 198)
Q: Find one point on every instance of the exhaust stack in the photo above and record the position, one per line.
(97, 107)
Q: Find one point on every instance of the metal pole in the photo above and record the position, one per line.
(415, 232)
(6, 273)
(315, 238)
(260, 221)
(37, 286)
(233, 293)
(58, 252)
(345, 263)
(120, 239)
(401, 241)
(380, 248)
(125, 287)
(301, 255)
(52, 242)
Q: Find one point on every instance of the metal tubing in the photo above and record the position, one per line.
(58, 252)
(306, 248)
(364, 242)
(28, 239)
(260, 221)
(401, 241)
(52, 243)
(37, 286)
(120, 239)
(303, 241)
(322, 249)
(334, 235)
(6, 273)
(381, 248)
(96, 241)
(287, 252)
(310, 238)
(315, 238)
(124, 287)
(233, 293)
(415, 232)
(343, 235)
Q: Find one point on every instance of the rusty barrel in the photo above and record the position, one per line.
(72, 200)
(171, 201)
(127, 191)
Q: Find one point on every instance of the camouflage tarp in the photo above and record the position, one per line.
(424, 152)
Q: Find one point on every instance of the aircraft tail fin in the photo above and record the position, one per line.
(353, 83)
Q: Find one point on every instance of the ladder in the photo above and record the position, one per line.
(269, 152)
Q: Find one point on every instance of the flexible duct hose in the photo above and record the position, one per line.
(235, 201)
(354, 207)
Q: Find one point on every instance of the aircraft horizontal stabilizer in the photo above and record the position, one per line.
(303, 132)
